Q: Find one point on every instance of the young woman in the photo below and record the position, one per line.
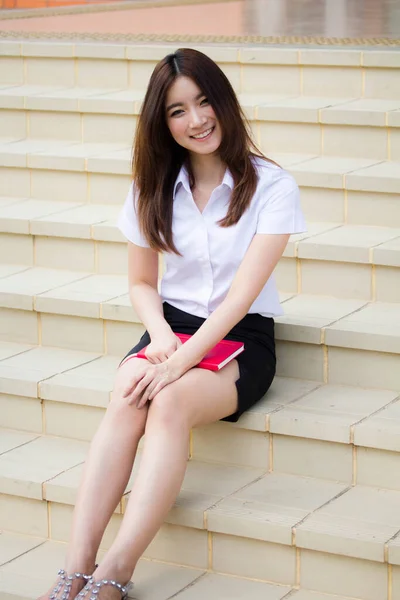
(221, 214)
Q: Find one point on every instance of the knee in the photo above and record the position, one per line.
(168, 408)
(123, 413)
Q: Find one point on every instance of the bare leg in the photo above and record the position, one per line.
(199, 397)
(106, 474)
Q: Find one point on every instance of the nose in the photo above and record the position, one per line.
(196, 118)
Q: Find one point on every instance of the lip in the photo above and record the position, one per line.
(207, 137)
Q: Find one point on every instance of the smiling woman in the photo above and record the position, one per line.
(221, 213)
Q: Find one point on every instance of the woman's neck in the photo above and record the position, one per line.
(208, 170)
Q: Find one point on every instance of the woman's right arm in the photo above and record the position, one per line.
(145, 299)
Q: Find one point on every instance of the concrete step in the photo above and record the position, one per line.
(307, 428)
(334, 189)
(318, 338)
(344, 72)
(29, 566)
(351, 127)
(343, 260)
(286, 525)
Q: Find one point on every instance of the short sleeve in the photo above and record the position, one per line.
(281, 211)
(127, 221)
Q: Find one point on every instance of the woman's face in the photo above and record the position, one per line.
(191, 119)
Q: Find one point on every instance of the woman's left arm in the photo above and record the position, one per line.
(254, 271)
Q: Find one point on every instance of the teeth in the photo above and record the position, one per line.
(202, 135)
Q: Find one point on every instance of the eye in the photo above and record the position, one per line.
(175, 113)
(204, 101)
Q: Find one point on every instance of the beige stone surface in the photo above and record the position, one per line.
(73, 157)
(343, 576)
(21, 374)
(108, 189)
(313, 230)
(363, 111)
(388, 253)
(271, 507)
(17, 291)
(180, 545)
(72, 333)
(221, 443)
(306, 316)
(116, 162)
(112, 258)
(359, 524)
(121, 337)
(212, 585)
(283, 391)
(362, 368)
(309, 595)
(14, 218)
(328, 171)
(338, 279)
(89, 384)
(329, 412)
(17, 250)
(119, 309)
(349, 243)
(312, 458)
(65, 253)
(69, 186)
(264, 561)
(382, 177)
(378, 468)
(370, 142)
(13, 439)
(73, 222)
(23, 470)
(24, 414)
(13, 545)
(23, 515)
(6, 270)
(387, 289)
(381, 430)
(9, 349)
(14, 182)
(371, 208)
(323, 205)
(311, 365)
(82, 298)
(71, 420)
(375, 327)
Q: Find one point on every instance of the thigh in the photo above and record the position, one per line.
(203, 396)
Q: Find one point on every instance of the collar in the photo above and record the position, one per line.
(183, 179)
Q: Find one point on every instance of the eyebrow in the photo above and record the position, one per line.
(175, 104)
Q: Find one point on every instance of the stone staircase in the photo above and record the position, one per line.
(300, 499)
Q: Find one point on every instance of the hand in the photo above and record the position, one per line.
(146, 384)
(162, 346)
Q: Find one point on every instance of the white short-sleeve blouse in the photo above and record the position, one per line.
(199, 280)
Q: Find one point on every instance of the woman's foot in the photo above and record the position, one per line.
(66, 585)
(117, 587)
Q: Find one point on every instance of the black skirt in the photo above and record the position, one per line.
(257, 364)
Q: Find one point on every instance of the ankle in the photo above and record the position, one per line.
(83, 564)
(114, 568)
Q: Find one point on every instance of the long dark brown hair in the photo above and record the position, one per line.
(157, 158)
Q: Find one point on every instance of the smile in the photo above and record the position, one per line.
(204, 135)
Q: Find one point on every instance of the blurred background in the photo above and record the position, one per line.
(328, 18)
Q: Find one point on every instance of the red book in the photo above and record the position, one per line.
(216, 358)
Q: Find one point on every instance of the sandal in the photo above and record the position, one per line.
(94, 588)
(65, 583)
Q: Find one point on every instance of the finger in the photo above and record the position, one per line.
(148, 393)
(131, 386)
(140, 387)
(160, 385)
